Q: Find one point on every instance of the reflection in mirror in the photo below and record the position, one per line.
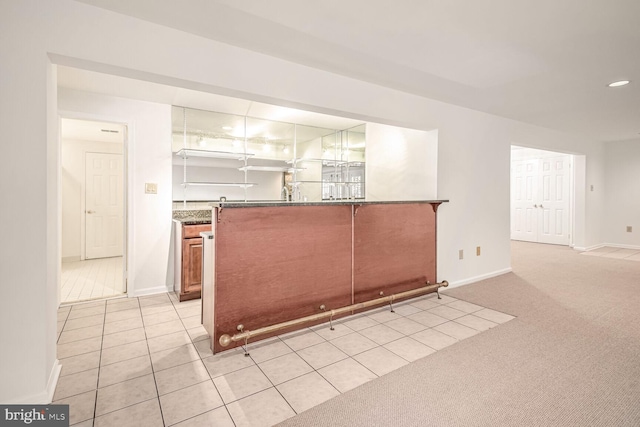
(256, 159)
(343, 172)
(206, 130)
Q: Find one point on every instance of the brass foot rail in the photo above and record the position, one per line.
(244, 335)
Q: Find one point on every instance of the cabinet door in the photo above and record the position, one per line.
(191, 265)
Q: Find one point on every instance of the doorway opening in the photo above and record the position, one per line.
(542, 196)
(93, 210)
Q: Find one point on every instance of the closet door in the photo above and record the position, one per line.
(524, 196)
(540, 200)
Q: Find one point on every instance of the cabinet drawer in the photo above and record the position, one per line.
(190, 231)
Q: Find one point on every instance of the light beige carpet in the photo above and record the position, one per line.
(570, 358)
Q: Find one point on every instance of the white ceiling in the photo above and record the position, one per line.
(90, 81)
(544, 62)
(86, 130)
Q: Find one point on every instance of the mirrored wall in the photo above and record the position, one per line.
(251, 159)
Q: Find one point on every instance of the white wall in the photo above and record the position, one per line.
(29, 219)
(401, 164)
(531, 154)
(269, 184)
(622, 201)
(72, 182)
(149, 159)
(473, 156)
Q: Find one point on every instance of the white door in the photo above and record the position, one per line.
(524, 194)
(540, 200)
(554, 200)
(103, 205)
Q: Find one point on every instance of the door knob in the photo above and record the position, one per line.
(541, 206)
(535, 206)
(90, 211)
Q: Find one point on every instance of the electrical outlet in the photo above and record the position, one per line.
(151, 188)
(629, 229)
(460, 254)
(477, 250)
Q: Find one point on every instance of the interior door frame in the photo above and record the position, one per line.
(572, 189)
(126, 125)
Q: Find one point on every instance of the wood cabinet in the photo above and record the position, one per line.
(191, 278)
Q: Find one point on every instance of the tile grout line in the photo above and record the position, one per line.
(348, 356)
(294, 351)
(83, 273)
(81, 339)
(129, 405)
(314, 369)
(382, 345)
(97, 388)
(269, 379)
(373, 348)
(62, 330)
(155, 382)
(95, 405)
(208, 373)
(338, 361)
(246, 367)
(201, 358)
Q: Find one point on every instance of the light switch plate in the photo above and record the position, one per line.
(629, 229)
(151, 188)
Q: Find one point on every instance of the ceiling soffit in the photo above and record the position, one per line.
(545, 62)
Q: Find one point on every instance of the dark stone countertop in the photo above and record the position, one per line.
(225, 205)
(192, 216)
(194, 221)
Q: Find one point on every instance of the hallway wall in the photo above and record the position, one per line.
(622, 193)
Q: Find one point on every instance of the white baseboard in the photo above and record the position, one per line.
(151, 291)
(71, 258)
(478, 278)
(53, 381)
(621, 246)
(588, 248)
(611, 245)
(45, 397)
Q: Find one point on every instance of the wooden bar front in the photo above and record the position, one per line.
(277, 263)
(394, 249)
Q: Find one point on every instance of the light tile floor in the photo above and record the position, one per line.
(609, 252)
(147, 361)
(90, 279)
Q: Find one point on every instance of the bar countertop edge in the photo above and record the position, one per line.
(226, 205)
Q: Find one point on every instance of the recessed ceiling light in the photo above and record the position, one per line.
(619, 83)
